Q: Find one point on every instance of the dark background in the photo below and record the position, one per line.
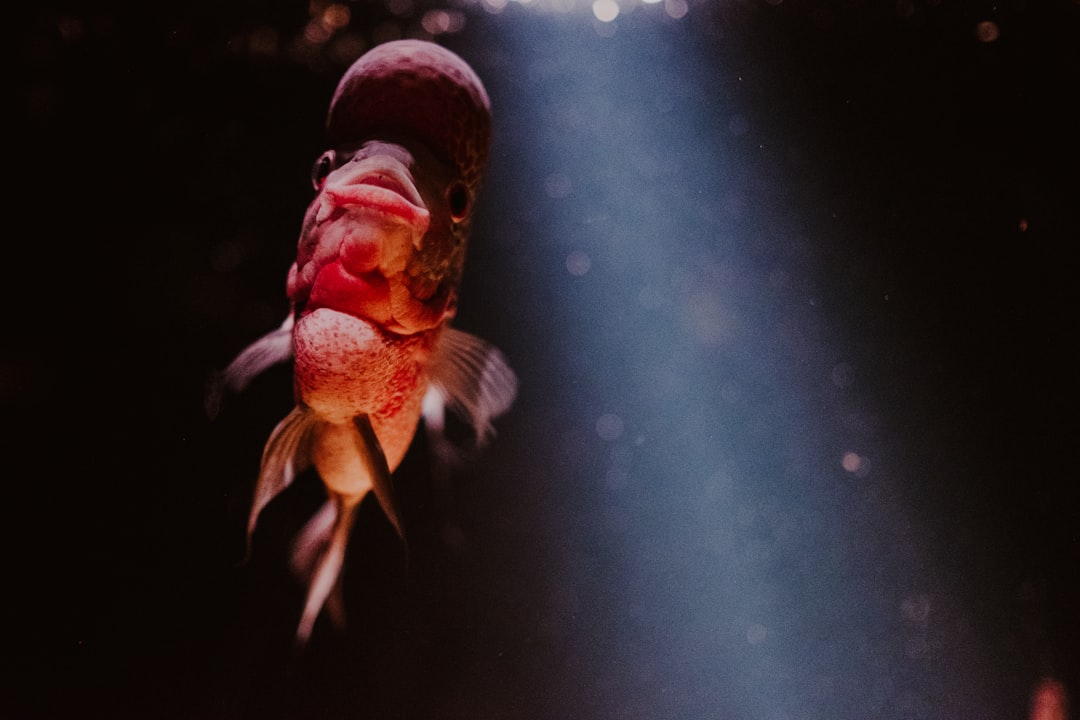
(874, 189)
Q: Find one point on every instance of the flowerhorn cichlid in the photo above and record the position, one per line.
(372, 291)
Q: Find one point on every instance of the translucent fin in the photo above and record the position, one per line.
(270, 349)
(312, 541)
(327, 572)
(285, 455)
(319, 551)
(474, 380)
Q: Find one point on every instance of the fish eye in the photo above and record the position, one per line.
(457, 196)
(322, 167)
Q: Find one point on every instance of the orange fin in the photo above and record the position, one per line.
(328, 570)
(284, 456)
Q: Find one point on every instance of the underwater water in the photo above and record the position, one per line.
(789, 291)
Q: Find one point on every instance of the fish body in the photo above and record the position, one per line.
(372, 291)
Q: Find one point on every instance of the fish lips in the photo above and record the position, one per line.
(379, 192)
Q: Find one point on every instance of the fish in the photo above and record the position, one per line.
(372, 293)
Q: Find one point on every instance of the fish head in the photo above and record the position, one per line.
(385, 237)
(383, 243)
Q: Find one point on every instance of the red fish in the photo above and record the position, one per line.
(372, 291)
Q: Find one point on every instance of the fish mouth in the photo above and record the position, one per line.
(369, 223)
(384, 189)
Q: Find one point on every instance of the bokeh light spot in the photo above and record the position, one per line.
(557, 186)
(855, 464)
(605, 10)
(401, 8)
(676, 8)
(437, 22)
(578, 263)
(916, 609)
(336, 16)
(263, 41)
(841, 375)
(71, 28)
(316, 33)
(609, 426)
(987, 31)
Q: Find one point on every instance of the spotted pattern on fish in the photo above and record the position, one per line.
(450, 107)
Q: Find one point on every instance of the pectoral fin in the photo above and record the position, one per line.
(270, 349)
(471, 377)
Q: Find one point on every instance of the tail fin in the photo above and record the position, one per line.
(319, 551)
(327, 571)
